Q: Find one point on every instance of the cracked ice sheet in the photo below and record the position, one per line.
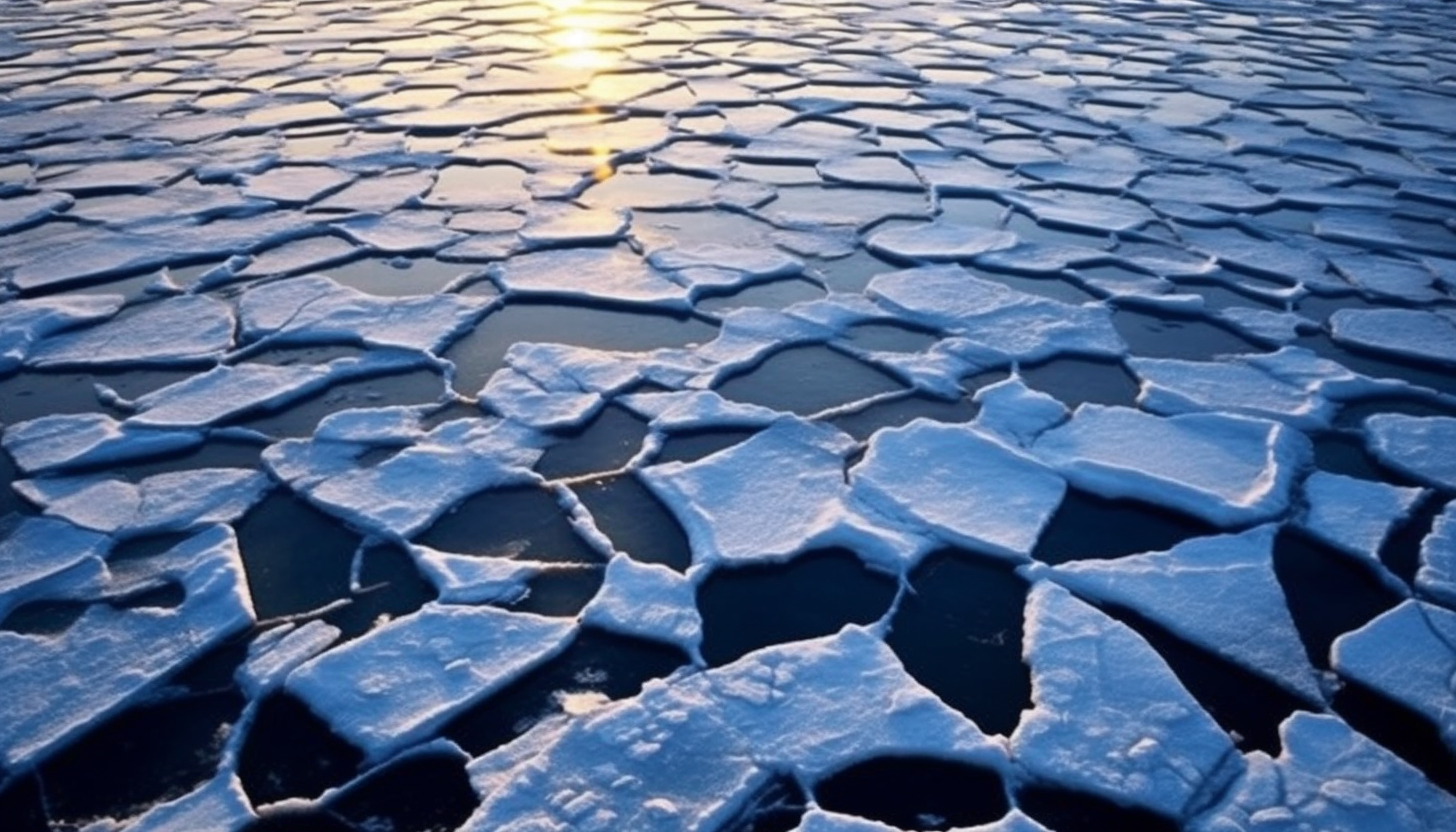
(591, 275)
(1409, 333)
(1418, 446)
(1228, 470)
(316, 309)
(688, 751)
(1355, 515)
(41, 556)
(1109, 716)
(230, 390)
(404, 494)
(1329, 778)
(26, 323)
(397, 685)
(998, 320)
(1292, 385)
(1437, 575)
(1220, 593)
(171, 331)
(1409, 655)
(56, 687)
(171, 502)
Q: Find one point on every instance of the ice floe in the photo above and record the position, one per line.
(1220, 593)
(1110, 718)
(1329, 777)
(1228, 470)
(57, 686)
(396, 685)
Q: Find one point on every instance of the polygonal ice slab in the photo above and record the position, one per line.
(1332, 779)
(1408, 654)
(404, 494)
(1354, 515)
(1410, 333)
(57, 686)
(520, 397)
(1110, 718)
(1422, 447)
(220, 805)
(766, 498)
(590, 275)
(316, 309)
(24, 323)
(398, 684)
(85, 439)
(1437, 575)
(176, 330)
(648, 601)
(41, 556)
(688, 752)
(1292, 385)
(1228, 470)
(970, 489)
(1220, 593)
(230, 390)
(999, 319)
(938, 241)
(170, 502)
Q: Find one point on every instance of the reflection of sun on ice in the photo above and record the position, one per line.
(575, 40)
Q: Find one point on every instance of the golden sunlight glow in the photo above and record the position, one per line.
(575, 40)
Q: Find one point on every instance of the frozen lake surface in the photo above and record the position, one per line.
(727, 416)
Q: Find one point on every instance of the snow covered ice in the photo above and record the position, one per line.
(727, 415)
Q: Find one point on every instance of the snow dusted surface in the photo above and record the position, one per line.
(725, 415)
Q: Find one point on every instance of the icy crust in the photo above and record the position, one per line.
(1110, 718)
(316, 309)
(395, 686)
(1409, 655)
(57, 686)
(969, 489)
(994, 318)
(472, 579)
(405, 493)
(44, 557)
(27, 323)
(182, 330)
(171, 502)
(1354, 515)
(1436, 578)
(1411, 333)
(1292, 385)
(688, 751)
(1228, 470)
(1220, 593)
(1332, 779)
(647, 600)
(1422, 447)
